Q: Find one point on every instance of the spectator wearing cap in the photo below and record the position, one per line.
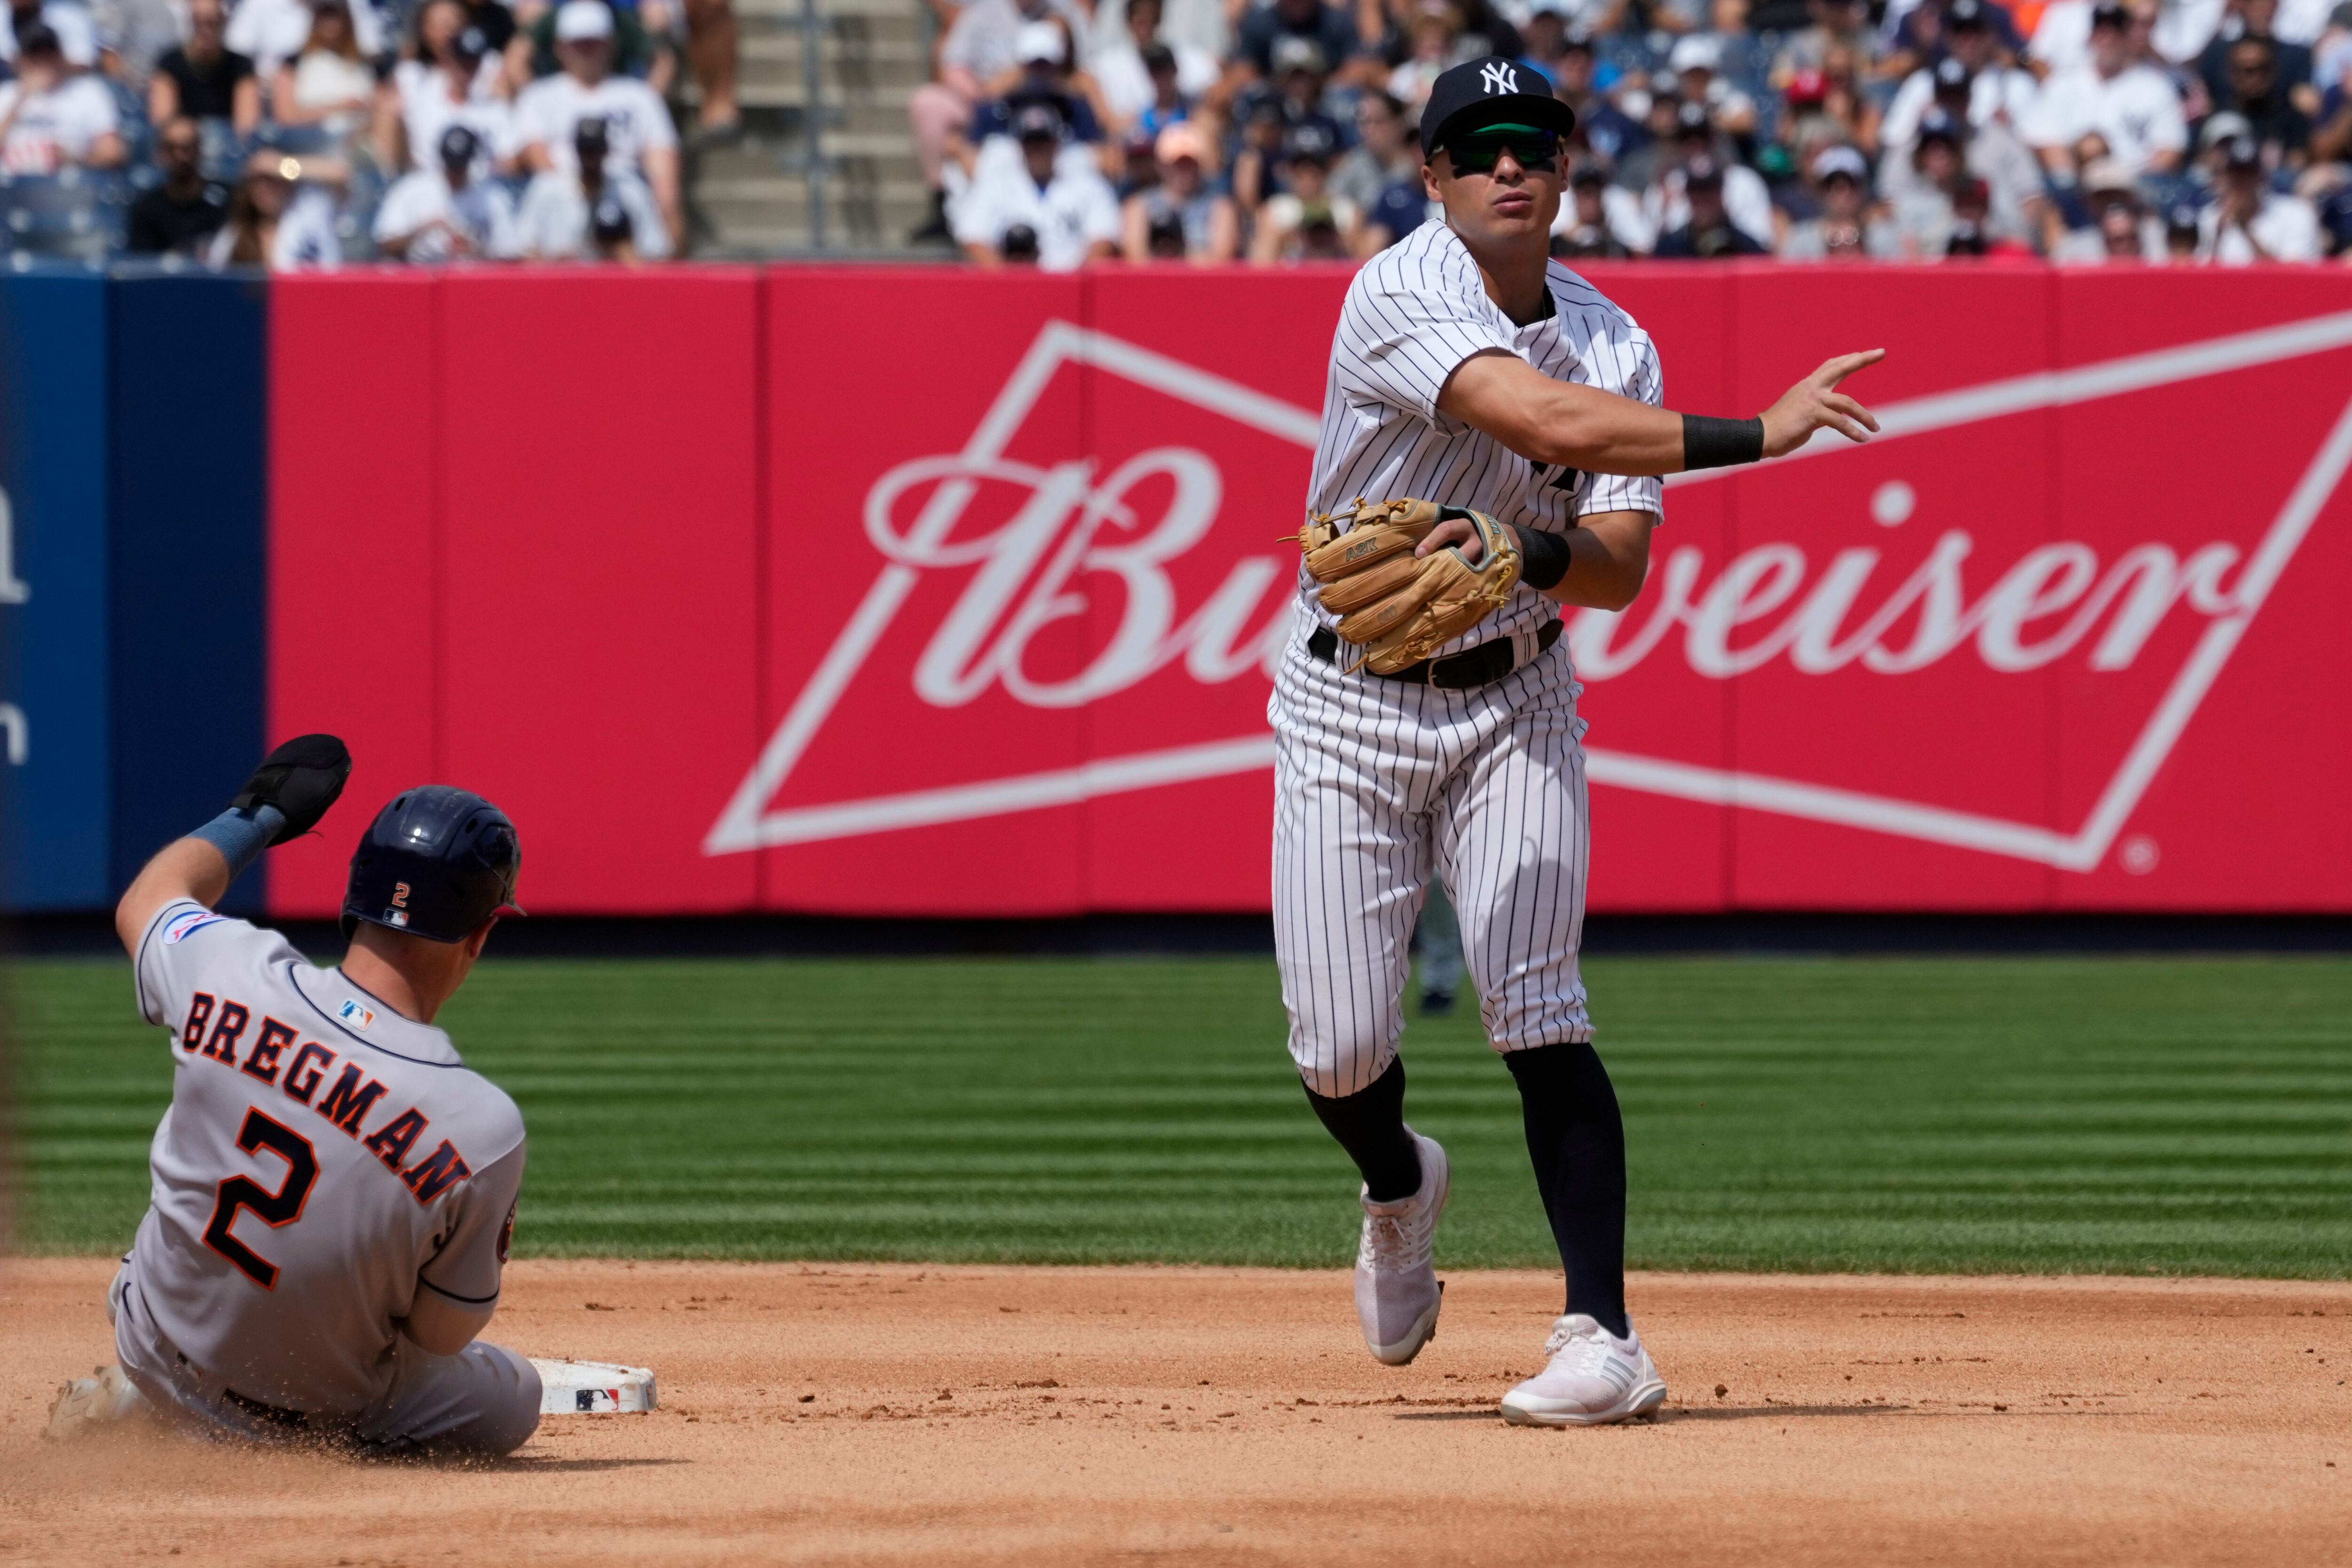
(1607, 131)
(272, 32)
(1058, 212)
(1706, 232)
(282, 214)
(179, 217)
(1181, 219)
(580, 210)
(1740, 190)
(1142, 73)
(1305, 221)
(2130, 107)
(52, 117)
(1918, 33)
(638, 45)
(1990, 148)
(2119, 228)
(1973, 234)
(977, 61)
(456, 78)
(1844, 229)
(1584, 229)
(2248, 222)
(448, 213)
(1696, 62)
(203, 78)
(1042, 76)
(75, 27)
(1986, 88)
(639, 137)
(1428, 48)
(1919, 207)
(1331, 28)
(2255, 93)
(1381, 157)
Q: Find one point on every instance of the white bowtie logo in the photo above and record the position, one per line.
(1499, 77)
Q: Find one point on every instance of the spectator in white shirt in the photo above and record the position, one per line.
(1996, 91)
(2120, 229)
(448, 214)
(2249, 221)
(2131, 108)
(591, 211)
(1745, 197)
(637, 128)
(271, 32)
(455, 80)
(978, 59)
(53, 116)
(1058, 213)
(327, 85)
(1118, 68)
(282, 216)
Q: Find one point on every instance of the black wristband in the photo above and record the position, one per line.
(1543, 558)
(1721, 443)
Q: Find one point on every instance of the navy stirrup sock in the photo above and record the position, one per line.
(1369, 1125)
(1577, 1142)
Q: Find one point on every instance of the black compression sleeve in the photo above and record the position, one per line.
(1543, 558)
(1721, 443)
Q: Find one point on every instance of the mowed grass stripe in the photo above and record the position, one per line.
(2175, 1115)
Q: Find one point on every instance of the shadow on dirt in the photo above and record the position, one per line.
(1711, 1413)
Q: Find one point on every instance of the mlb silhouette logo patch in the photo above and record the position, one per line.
(352, 1014)
(396, 916)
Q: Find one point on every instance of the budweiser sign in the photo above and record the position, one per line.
(1071, 540)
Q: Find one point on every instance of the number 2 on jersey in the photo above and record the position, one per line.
(281, 1208)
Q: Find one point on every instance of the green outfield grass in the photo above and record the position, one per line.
(2172, 1115)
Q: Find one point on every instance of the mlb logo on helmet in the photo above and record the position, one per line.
(396, 916)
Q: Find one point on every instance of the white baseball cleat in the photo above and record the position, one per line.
(1594, 1378)
(1397, 1289)
(88, 1404)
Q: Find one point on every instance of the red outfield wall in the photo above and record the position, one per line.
(910, 592)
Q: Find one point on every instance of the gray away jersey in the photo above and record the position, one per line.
(1413, 314)
(323, 1161)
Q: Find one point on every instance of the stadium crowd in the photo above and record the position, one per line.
(2164, 131)
(302, 132)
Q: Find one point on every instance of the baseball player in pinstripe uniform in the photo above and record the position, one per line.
(1472, 371)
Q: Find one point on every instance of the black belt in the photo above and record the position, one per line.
(1473, 667)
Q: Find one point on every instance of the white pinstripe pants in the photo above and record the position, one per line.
(1376, 784)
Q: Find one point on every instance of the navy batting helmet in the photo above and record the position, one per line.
(437, 862)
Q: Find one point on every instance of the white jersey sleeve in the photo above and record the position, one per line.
(1632, 372)
(1402, 334)
(182, 940)
(473, 1251)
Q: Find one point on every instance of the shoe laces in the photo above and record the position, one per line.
(1396, 1241)
(1584, 1343)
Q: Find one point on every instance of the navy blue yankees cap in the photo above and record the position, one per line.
(1492, 91)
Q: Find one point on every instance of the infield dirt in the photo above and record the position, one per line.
(857, 1414)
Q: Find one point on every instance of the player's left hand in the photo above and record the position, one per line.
(1815, 403)
(301, 779)
(1462, 534)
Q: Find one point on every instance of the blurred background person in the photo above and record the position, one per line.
(1437, 937)
(54, 117)
(179, 217)
(282, 214)
(1843, 229)
(1181, 219)
(326, 83)
(2248, 222)
(1305, 221)
(1331, 28)
(271, 32)
(1972, 79)
(2130, 106)
(1585, 230)
(1706, 232)
(1065, 209)
(1382, 156)
(2116, 227)
(557, 220)
(712, 55)
(1665, 206)
(455, 77)
(640, 139)
(978, 59)
(448, 213)
(74, 24)
(203, 79)
(1139, 70)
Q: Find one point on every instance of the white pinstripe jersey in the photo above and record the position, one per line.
(1414, 314)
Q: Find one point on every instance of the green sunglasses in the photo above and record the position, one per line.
(1477, 151)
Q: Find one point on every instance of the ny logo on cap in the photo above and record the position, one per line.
(1498, 77)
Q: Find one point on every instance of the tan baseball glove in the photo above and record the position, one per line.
(1396, 606)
